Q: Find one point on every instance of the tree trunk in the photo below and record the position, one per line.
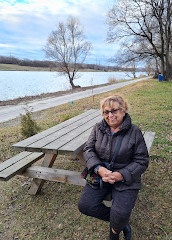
(71, 83)
(163, 67)
(170, 72)
(167, 70)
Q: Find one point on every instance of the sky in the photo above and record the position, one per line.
(26, 24)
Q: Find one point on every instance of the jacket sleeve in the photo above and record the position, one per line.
(140, 159)
(89, 153)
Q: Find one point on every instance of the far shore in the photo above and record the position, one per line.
(15, 67)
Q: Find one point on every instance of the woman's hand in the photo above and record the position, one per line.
(112, 177)
(103, 171)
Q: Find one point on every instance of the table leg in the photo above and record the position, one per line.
(37, 184)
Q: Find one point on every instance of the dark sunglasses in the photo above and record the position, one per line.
(113, 111)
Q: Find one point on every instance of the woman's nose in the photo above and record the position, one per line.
(110, 114)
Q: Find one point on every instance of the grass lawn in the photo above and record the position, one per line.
(53, 214)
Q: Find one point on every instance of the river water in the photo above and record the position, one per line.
(15, 84)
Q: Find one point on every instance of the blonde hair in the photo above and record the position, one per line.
(123, 105)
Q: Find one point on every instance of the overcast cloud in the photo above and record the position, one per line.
(26, 24)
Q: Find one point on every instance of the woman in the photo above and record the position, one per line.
(123, 179)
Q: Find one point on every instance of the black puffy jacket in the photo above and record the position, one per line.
(132, 159)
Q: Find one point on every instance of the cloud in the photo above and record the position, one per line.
(6, 45)
(27, 24)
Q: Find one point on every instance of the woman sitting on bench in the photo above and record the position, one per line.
(114, 135)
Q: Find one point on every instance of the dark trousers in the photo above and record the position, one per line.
(123, 202)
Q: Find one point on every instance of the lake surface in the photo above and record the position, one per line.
(15, 84)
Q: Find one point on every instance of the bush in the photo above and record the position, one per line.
(112, 80)
(66, 117)
(29, 127)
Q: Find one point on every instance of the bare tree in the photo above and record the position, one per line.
(145, 27)
(68, 47)
(152, 66)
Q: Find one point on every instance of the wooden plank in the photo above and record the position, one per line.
(37, 184)
(66, 130)
(13, 160)
(19, 166)
(76, 144)
(149, 137)
(22, 144)
(55, 145)
(57, 175)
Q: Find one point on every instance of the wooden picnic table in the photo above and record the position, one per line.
(66, 138)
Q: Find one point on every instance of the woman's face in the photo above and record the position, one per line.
(115, 118)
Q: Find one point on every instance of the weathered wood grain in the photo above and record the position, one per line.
(37, 184)
(13, 160)
(57, 175)
(75, 145)
(19, 166)
(55, 145)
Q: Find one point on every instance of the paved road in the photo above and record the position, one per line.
(13, 111)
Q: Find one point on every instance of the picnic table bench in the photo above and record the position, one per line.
(66, 138)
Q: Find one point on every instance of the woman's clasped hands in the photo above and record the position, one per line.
(109, 176)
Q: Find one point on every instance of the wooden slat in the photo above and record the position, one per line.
(149, 137)
(14, 169)
(55, 145)
(76, 144)
(13, 160)
(22, 144)
(37, 146)
(57, 175)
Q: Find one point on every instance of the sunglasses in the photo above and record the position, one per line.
(113, 111)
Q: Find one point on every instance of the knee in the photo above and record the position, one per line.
(120, 216)
(120, 213)
(86, 208)
(81, 207)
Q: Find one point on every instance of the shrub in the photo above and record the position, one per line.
(112, 80)
(66, 117)
(29, 127)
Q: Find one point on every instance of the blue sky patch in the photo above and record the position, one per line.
(13, 2)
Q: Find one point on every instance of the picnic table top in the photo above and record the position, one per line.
(64, 138)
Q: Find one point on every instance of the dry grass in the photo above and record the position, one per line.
(53, 214)
(112, 80)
